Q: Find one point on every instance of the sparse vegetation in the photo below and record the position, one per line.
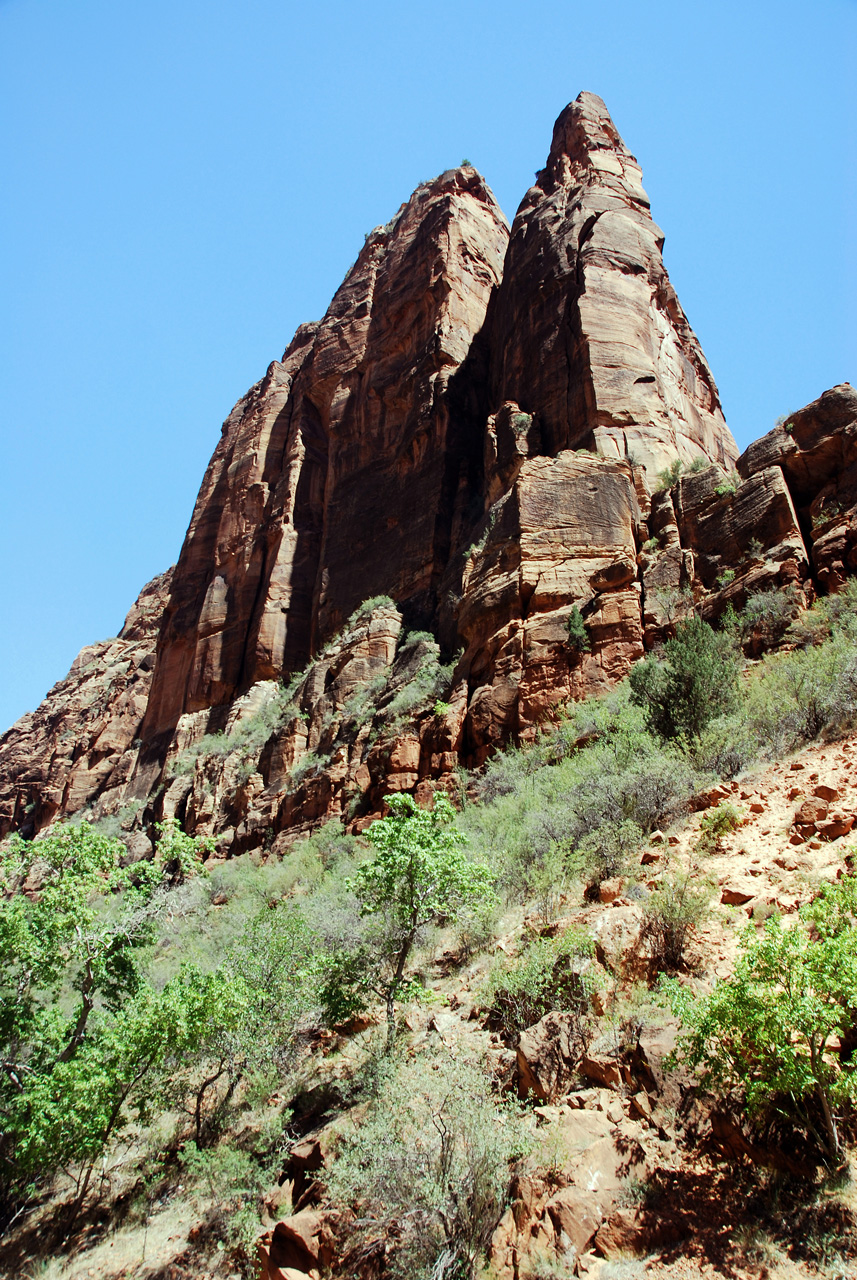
(428, 1168)
(578, 636)
(550, 973)
(669, 477)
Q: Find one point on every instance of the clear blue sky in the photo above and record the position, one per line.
(184, 182)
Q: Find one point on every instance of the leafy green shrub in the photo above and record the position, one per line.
(669, 477)
(82, 1033)
(728, 487)
(697, 681)
(698, 464)
(550, 973)
(428, 1168)
(773, 1028)
(726, 578)
(418, 877)
(578, 636)
(247, 1014)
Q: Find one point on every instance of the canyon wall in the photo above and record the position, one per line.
(470, 440)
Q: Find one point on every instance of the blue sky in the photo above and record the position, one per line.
(185, 182)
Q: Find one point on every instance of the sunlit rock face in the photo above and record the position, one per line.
(587, 332)
(344, 473)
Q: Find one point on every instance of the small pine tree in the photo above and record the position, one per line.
(697, 682)
(578, 636)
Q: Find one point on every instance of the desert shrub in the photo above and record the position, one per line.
(228, 1182)
(729, 486)
(428, 1168)
(602, 771)
(367, 608)
(796, 696)
(766, 616)
(698, 464)
(696, 681)
(550, 973)
(724, 747)
(833, 614)
(669, 477)
(717, 823)
(476, 926)
(550, 877)
(774, 1028)
(671, 913)
(578, 636)
(607, 850)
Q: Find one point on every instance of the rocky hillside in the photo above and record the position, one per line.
(488, 430)
(269, 1035)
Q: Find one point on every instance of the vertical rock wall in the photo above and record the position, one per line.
(586, 331)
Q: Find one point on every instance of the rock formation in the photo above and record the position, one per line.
(469, 441)
(83, 740)
(586, 331)
(344, 473)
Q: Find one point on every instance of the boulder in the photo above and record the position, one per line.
(547, 1054)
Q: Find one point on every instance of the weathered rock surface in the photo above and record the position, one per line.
(81, 743)
(343, 473)
(586, 331)
(563, 535)
(476, 436)
(816, 451)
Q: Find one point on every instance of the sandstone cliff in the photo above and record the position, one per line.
(587, 331)
(471, 439)
(343, 473)
(82, 741)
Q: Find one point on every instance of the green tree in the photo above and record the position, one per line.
(78, 1029)
(778, 1028)
(241, 1019)
(418, 877)
(696, 682)
(578, 636)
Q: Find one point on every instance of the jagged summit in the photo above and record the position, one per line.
(473, 429)
(586, 144)
(587, 330)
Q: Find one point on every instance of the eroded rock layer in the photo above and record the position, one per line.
(344, 472)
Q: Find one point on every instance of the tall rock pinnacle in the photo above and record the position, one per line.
(587, 331)
(341, 475)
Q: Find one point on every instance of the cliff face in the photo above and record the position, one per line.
(82, 741)
(344, 473)
(474, 429)
(587, 331)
